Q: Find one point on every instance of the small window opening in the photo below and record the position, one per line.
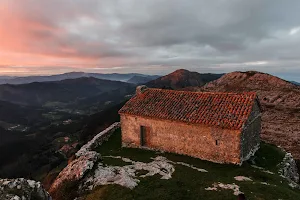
(217, 142)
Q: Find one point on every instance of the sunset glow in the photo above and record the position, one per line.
(48, 37)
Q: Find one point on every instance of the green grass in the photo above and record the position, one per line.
(187, 183)
(113, 161)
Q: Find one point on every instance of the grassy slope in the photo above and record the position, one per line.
(187, 183)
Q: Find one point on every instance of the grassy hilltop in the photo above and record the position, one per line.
(188, 183)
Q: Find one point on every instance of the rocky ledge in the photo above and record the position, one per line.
(22, 189)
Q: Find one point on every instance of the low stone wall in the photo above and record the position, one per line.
(86, 158)
(98, 139)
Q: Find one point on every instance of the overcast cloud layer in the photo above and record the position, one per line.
(150, 36)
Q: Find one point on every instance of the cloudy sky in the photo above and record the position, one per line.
(149, 36)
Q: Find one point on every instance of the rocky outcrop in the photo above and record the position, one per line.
(22, 189)
(76, 169)
(288, 169)
(86, 159)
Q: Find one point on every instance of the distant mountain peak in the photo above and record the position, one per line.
(182, 78)
(180, 71)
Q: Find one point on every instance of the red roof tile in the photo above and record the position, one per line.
(227, 110)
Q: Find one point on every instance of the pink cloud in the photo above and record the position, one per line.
(30, 37)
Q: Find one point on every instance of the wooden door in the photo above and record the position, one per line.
(143, 135)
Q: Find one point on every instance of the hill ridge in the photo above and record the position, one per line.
(182, 78)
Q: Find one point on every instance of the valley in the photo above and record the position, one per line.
(36, 118)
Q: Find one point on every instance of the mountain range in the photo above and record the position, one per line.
(90, 93)
(57, 92)
(6, 77)
(138, 79)
(294, 82)
(70, 75)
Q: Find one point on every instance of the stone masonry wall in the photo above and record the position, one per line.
(204, 142)
(250, 139)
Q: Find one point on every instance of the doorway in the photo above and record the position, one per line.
(143, 134)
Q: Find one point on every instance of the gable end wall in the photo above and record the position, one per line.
(250, 139)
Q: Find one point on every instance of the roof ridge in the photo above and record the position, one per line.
(206, 92)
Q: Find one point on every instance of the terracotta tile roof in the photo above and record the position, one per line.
(228, 110)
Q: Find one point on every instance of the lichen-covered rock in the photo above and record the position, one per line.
(242, 178)
(288, 169)
(22, 189)
(127, 175)
(235, 188)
